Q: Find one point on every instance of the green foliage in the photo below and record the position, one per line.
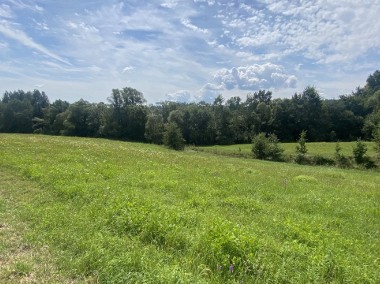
(223, 122)
(308, 111)
(275, 150)
(154, 129)
(373, 81)
(341, 160)
(320, 160)
(267, 148)
(323, 149)
(359, 152)
(360, 157)
(376, 139)
(260, 146)
(301, 149)
(173, 137)
(228, 248)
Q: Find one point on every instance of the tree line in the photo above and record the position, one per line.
(126, 116)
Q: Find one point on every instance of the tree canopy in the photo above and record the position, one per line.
(226, 121)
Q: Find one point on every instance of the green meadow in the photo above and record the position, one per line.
(80, 210)
(325, 149)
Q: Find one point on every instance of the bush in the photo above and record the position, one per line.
(267, 148)
(360, 158)
(275, 150)
(376, 139)
(322, 161)
(301, 150)
(301, 147)
(260, 146)
(303, 159)
(359, 152)
(341, 160)
(173, 137)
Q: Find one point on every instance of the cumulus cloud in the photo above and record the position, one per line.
(324, 31)
(182, 96)
(255, 77)
(209, 92)
(176, 44)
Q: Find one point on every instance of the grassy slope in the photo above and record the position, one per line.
(326, 149)
(20, 260)
(120, 212)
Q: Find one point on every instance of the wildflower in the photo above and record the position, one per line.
(231, 268)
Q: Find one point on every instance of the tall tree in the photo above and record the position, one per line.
(308, 111)
(40, 102)
(154, 128)
(128, 116)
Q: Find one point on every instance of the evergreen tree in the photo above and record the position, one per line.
(301, 149)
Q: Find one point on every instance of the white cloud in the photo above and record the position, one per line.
(209, 92)
(170, 4)
(19, 4)
(209, 2)
(187, 23)
(38, 8)
(5, 11)
(82, 27)
(324, 31)
(255, 77)
(128, 68)
(24, 39)
(176, 44)
(182, 96)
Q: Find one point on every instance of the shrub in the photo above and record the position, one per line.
(376, 139)
(321, 161)
(301, 150)
(260, 146)
(303, 159)
(359, 152)
(173, 137)
(275, 150)
(341, 160)
(301, 147)
(360, 157)
(267, 148)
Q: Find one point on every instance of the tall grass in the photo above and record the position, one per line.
(124, 212)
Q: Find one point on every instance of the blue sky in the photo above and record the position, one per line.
(187, 50)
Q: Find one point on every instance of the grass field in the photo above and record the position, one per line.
(326, 149)
(117, 212)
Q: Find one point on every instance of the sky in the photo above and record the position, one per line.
(187, 50)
